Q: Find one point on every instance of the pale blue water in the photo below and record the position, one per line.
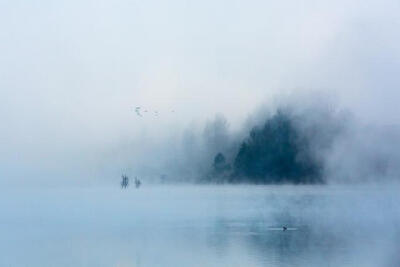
(201, 226)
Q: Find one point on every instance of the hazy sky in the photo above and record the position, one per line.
(71, 72)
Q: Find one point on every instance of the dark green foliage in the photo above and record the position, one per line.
(276, 153)
(220, 164)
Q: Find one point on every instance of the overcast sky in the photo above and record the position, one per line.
(71, 72)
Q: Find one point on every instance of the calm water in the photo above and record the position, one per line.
(201, 226)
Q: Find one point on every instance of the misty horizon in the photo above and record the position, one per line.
(72, 77)
(199, 133)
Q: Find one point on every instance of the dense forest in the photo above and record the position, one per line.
(277, 152)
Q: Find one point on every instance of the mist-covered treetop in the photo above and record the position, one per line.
(277, 152)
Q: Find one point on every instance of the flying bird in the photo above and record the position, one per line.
(137, 110)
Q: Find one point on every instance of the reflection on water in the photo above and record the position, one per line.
(201, 226)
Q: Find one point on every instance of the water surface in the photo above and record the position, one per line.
(201, 226)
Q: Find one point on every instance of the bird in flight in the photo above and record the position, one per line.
(137, 110)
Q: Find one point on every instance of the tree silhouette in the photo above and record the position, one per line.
(276, 153)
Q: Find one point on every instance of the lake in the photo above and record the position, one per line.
(201, 225)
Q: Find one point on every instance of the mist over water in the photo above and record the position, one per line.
(201, 225)
(318, 138)
(239, 118)
(176, 219)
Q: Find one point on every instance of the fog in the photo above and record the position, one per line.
(91, 90)
(197, 225)
(73, 72)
